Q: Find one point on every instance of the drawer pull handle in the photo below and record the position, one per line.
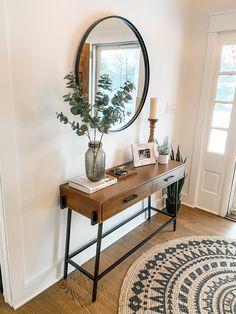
(169, 178)
(130, 198)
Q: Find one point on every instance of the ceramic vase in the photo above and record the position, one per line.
(163, 159)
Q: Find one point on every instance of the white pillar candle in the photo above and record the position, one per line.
(153, 108)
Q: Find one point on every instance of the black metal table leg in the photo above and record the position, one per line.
(97, 262)
(67, 242)
(149, 207)
(175, 204)
(96, 276)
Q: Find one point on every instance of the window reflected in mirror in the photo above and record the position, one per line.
(122, 62)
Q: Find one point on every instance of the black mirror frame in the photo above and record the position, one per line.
(145, 57)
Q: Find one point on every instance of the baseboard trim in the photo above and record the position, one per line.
(187, 204)
(35, 293)
(208, 210)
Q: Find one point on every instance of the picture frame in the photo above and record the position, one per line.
(143, 154)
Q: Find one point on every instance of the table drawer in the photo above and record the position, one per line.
(80, 202)
(166, 179)
(116, 204)
(124, 200)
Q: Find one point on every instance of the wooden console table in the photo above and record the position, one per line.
(106, 203)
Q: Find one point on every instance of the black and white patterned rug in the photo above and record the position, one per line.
(187, 275)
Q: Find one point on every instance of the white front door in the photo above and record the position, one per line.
(218, 143)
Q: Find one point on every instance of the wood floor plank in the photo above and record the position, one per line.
(73, 295)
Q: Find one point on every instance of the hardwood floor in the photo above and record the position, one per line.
(74, 294)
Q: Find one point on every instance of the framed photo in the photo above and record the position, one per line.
(143, 154)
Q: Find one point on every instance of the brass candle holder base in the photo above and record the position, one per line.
(152, 128)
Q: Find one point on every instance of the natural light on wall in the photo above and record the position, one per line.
(223, 103)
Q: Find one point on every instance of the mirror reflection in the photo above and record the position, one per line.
(112, 48)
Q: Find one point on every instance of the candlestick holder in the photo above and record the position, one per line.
(152, 128)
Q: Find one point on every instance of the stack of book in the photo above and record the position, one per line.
(83, 184)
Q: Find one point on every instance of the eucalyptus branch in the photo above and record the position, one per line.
(101, 137)
(80, 130)
(88, 135)
(94, 150)
(94, 134)
(103, 114)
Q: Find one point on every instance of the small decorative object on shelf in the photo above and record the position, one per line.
(153, 108)
(152, 118)
(96, 119)
(170, 201)
(121, 172)
(143, 154)
(152, 129)
(164, 152)
(83, 184)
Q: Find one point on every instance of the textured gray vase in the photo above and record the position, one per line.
(95, 159)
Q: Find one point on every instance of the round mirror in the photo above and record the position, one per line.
(113, 46)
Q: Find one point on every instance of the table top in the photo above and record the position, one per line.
(144, 174)
(110, 200)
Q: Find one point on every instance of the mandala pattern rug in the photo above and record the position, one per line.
(187, 275)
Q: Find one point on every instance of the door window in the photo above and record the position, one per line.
(223, 101)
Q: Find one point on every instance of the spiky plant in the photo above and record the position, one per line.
(171, 188)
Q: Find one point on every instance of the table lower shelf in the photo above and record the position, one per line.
(121, 259)
(97, 276)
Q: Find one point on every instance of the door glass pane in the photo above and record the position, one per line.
(221, 115)
(228, 59)
(226, 87)
(217, 141)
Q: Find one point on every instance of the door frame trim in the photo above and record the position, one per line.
(4, 257)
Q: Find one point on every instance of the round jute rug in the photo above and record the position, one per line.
(186, 275)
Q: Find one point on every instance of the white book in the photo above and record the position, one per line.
(83, 184)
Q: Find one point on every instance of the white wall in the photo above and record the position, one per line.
(37, 152)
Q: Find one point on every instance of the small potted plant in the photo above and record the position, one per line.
(170, 200)
(164, 152)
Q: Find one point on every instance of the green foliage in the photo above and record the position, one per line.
(103, 114)
(164, 149)
(178, 156)
(171, 188)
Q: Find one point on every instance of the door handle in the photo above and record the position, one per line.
(130, 198)
(169, 178)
